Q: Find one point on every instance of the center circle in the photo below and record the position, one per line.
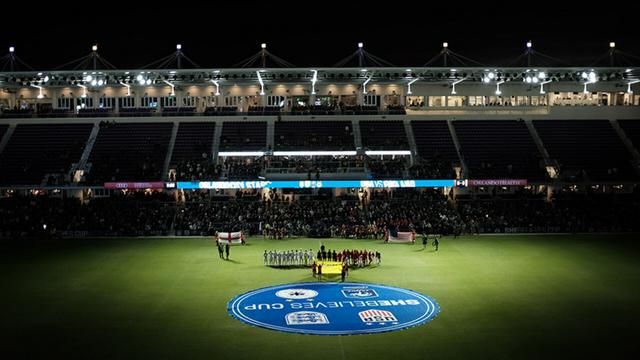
(333, 308)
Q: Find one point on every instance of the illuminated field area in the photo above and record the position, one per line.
(499, 296)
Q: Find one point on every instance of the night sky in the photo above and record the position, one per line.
(316, 34)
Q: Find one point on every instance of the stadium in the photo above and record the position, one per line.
(362, 210)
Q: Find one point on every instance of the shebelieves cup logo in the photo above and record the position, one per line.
(377, 316)
(306, 318)
(330, 308)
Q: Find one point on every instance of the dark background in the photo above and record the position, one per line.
(220, 34)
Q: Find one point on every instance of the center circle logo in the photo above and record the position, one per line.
(296, 294)
(333, 308)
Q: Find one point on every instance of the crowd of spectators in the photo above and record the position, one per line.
(394, 168)
(434, 168)
(371, 216)
(190, 170)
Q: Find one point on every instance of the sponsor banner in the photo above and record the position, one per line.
(313, 184)
(497, 182)
(333, 308)
(135, 185)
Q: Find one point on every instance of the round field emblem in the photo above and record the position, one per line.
(333, 308)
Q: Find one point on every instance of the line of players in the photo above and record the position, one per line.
(288, 258)
(359, 258)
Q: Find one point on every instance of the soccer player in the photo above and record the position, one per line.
(220, 250)
(424, 241)
(226, 250)
(265, 257)
(436, 243)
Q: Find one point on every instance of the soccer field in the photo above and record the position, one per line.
(500, 297)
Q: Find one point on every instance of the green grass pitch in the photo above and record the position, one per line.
(501, 297)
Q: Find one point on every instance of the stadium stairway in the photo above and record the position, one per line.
(7, 136)
(412, 141)
(454, 137)
(88, 146)
(543, 151)
(628, 144)
(167, 158)
(357, 137)
(271, 133)
(215, 144)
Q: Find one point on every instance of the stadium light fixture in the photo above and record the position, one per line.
(241, 153)
(178, 46)
(388, 152)
(445, 44)
(529, 44)
(360, 45)
(261, 81)
(94, 47)
(263, 45)
(453, 88)
(217, 87)
(173, 87)
(314, 79)
(148, 82)
(40, 95)
(88, 78)
(542, 86)
(498, 92)
(100, 82)
(84, 91)
(94, 82)
(629, 89)
(128, 88)
(46, 78)
(591, 78)
(409, 85)
(12, 49)
(364, 85)
(315, 153)
(612, 44)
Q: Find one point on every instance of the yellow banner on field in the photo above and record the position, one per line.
(330, 267)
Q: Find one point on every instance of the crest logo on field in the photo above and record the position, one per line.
(330, 308)
(359, 292)
(306, 318)
(296, 294)
(377, 316)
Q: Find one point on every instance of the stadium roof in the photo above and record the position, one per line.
(335, 75)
